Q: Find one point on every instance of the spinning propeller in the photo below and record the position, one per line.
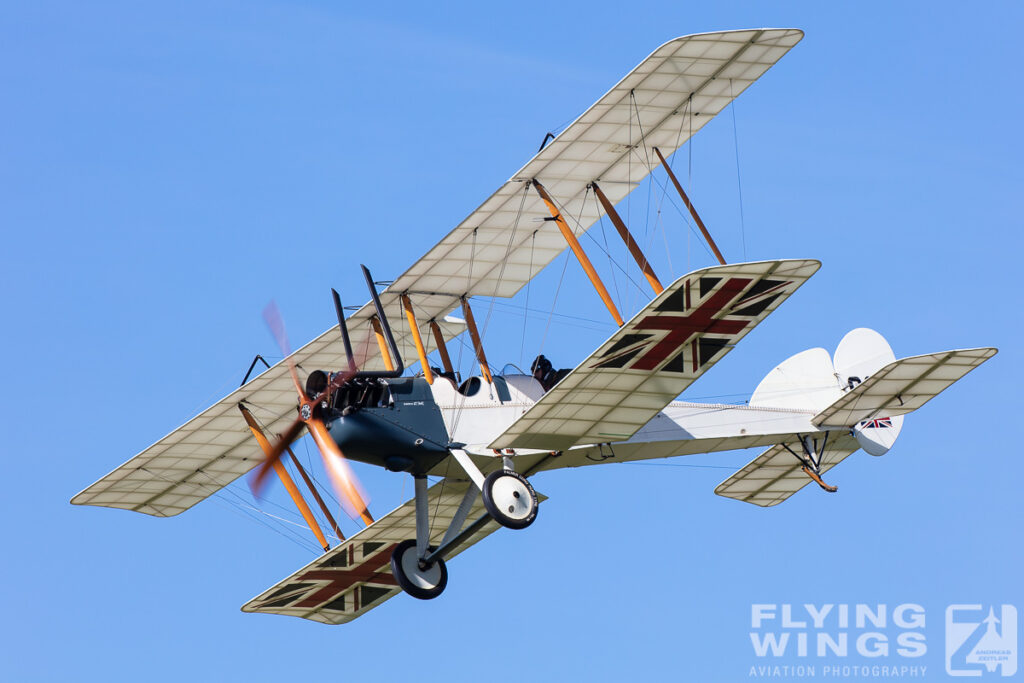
(311, 408)
(343, 479)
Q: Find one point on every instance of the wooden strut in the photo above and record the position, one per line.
(285, 478)
(379, 332)
(411, 317)
(442, 348)
(627, 237)
(689, 205)
(316, 495)
(578, 250)
(478, 346)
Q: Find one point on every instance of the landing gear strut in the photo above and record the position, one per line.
(419, 576)
(509, 499)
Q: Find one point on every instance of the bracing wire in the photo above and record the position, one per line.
(562, 318)
(579, 227)
(739, 185)
(220, 494)
(604, 236)
(504, 261)
(554, 301)
(526, 306)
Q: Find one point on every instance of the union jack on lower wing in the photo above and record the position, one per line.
(355, 577)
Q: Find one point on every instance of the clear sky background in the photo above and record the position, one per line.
(167, 169)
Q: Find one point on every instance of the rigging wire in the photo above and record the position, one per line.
(504, 261)
(586, 233)
(739, 185)
(689, 185)
(526, 306)
(512, 308)
(462, 344)
(216, 492)
(547, 326)
(684, 217)
(440, 496)
(648, 165)
(576, 220)
(243, 502)
(604, 236)
(686, 116)
(680, 464)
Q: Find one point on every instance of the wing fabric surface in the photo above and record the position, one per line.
(902, 386)
(508, 239)
(495, 251)
(355, 577)
(651, 359)
(777, 474)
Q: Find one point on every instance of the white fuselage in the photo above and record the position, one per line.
(680, 429)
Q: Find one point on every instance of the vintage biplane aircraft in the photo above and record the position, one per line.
(486, 435)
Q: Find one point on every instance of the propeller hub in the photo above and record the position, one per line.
(306, 411)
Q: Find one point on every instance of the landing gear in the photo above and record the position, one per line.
(419, 570)
(416, 577)
(510, 499)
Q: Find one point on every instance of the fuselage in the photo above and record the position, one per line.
(407, 424)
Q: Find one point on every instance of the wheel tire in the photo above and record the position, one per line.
(510, 499)
(424, 584)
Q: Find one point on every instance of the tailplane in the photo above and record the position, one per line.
(859, 395)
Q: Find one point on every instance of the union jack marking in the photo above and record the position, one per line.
(326, 587)
(676, 329)
(878, 423)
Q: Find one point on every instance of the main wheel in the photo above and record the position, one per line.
(510, 499)
(423, 582)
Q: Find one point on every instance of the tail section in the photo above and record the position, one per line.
(860, 354)
(860, 394)
(814, 380)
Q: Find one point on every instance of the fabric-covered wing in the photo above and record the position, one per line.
(902, 386)
(215, 447)
(507, 240)
(669, 96)
(777, 474)
(673, 93)
(355, 577)
(655, 356)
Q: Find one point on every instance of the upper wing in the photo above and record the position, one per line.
(655, 356)
(902, 386)
(355, 577)
(495, 251)
(507, 240)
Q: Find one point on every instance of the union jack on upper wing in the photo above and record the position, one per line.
(691, 327)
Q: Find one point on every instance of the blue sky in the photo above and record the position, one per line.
(168, 169)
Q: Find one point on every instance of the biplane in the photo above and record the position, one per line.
(353, 389)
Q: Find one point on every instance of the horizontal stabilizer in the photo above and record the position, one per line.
(902, 386)
(777, 474)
